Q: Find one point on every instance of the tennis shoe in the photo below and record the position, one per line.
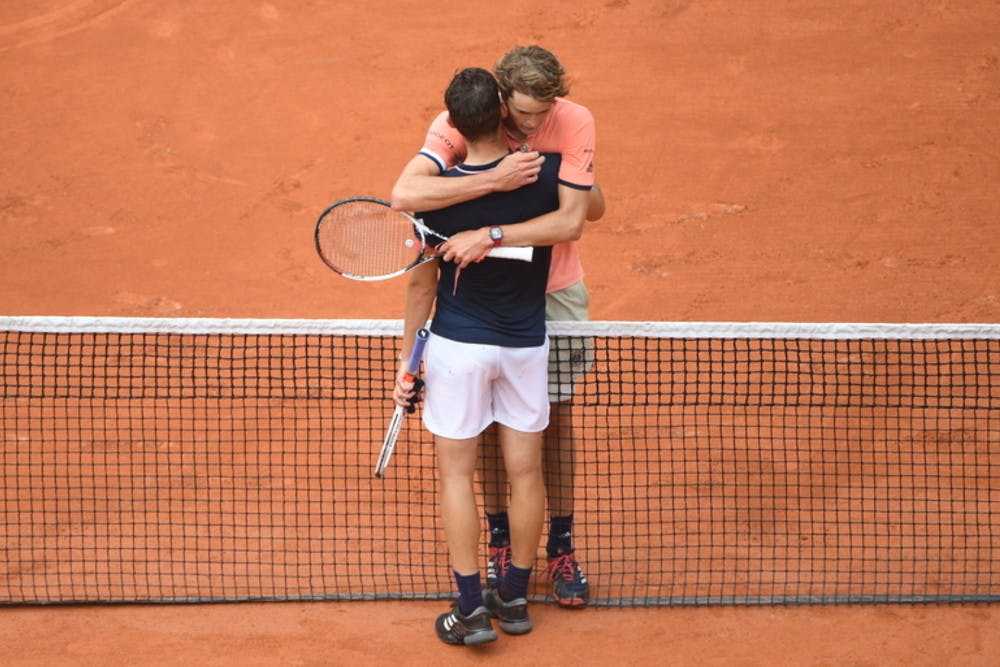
(513, 615)
(570, 586)
(497, 564)
(476, 628)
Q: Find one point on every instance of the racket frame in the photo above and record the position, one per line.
(521, 253)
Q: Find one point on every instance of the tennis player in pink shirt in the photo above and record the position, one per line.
(537, 118)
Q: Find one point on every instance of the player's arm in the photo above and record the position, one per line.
(564, 224)
(420, 187)
(595, 204)
(421, 290)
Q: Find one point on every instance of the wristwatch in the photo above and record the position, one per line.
(496, 234)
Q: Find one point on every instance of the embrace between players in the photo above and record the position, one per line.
(509, 162)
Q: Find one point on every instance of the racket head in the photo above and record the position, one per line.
(364, 238)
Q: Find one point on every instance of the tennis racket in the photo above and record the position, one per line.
(363, 238)
(396, 423)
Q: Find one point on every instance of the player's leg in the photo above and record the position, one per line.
(495, 490)
(457, 408)
(522, 453)
(521, 409)
(523, 459)
(559, 454)
(469, 621)
(570, 587)
(569, 358)
(459, 514)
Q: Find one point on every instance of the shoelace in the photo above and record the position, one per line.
(563, 567)
(502, 560)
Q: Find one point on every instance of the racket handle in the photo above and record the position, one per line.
(522, 253)
(417, 353)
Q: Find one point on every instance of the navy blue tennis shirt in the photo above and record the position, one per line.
(495, 301)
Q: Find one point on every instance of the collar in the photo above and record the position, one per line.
(476, 168)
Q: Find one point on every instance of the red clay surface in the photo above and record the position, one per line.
(800, 161)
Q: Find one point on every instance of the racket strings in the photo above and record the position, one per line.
(368, 239)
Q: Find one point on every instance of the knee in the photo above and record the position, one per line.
(524, 469)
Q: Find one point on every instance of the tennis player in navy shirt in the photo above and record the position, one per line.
(486, 361)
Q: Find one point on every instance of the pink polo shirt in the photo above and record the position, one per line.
(568, 129)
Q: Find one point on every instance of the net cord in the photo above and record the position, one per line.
(394, 327)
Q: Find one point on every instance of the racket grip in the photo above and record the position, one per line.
(417, 353)
(522, 253)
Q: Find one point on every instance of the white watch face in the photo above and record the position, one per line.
(496, 233)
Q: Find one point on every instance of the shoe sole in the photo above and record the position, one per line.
(477, 638)
(481, 635)
(519, 627)
(516, 627)
(571, 603)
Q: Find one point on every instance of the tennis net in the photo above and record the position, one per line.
(186, 460)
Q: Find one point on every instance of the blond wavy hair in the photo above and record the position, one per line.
(533, 71)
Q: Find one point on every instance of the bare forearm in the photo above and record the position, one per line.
(421, 291)
(422, 192)
(595, 205)
(420, 187)
(549, 229)
(564, 224)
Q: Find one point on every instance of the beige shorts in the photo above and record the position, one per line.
(569, 356)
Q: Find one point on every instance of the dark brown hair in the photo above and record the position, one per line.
(473, 101)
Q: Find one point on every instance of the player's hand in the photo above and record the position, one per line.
(517, 170)
(467, 247)
(411, 405)
(406, 390)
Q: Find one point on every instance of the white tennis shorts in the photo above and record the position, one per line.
(469, 386)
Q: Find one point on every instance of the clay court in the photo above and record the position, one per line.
(799, 161)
